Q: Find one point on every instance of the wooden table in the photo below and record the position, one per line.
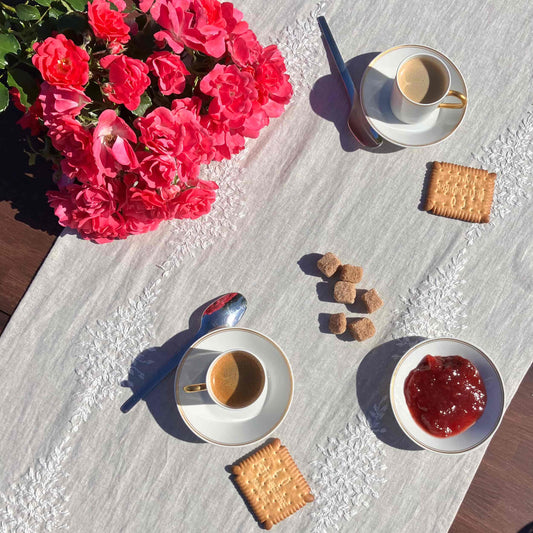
(500, 498)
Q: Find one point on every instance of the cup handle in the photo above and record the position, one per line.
(460, 105)
(195, 388)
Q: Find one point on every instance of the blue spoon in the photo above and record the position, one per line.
(226, 311)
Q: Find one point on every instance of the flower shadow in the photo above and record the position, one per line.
(373, 381)
(24, 187)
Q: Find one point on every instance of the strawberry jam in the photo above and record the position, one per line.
(445, 395)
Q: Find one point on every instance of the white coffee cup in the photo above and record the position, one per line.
(421, 84)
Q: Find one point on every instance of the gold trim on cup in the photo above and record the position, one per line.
(188, 422)
(457, 94)
(377, 58)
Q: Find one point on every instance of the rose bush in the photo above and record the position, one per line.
(135, 98)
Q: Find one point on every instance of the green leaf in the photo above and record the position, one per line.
(146, 102)
(77, 5)
(44, 3)
(25, 12)
(26, 85)
(4, 97)
(56, 12)
(8, 45)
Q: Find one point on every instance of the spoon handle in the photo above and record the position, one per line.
(357, 122)
(162, 373)
(343, 71)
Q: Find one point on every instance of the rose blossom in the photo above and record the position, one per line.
(111, 148)
(169, 70)
(61, 62)
(75, 144)
(92, 210)
(158, 131)
(244, 48)
(128, 79)
(235, 99)
(226, 142)
(108, 24)
(273, 85)
(156, 170)
(198, 24)
(194, 146)
(59, 101)
(196, 202)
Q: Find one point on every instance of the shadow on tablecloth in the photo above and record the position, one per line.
(373, 381)
(328, 99)
(161, 401)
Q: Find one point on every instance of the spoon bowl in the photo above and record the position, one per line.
(225, 311)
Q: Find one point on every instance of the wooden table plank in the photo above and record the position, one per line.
(500, 497)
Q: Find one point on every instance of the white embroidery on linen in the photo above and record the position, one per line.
(437, 307)
(108, 348)
(350, 472)
(37, 502)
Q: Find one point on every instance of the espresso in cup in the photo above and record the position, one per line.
(237, 379)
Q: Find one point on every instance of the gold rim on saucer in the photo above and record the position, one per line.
(189, 423)
(422, 47)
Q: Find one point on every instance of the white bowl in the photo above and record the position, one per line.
(484, 427)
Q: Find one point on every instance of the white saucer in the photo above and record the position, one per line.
(234, 427)
(483, 428)
(376, 86)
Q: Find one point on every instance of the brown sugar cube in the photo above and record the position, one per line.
(362, 329)
(372, 300)
(337, 323)
(353, 274)
(328, 264)
(344, 292)
(272, 484)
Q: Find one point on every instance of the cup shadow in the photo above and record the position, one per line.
(329, 100)
(372, 383)
(161, 401)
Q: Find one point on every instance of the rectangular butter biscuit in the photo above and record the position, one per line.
(464, 193)
(272, 484)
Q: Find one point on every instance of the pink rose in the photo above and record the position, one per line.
(233, 93)
(61, 62)
(169, 70)
(244, 48)
(196, 202)
(157, 170)
(108, 24)
(273, 85)
(226, 142)
(158, 131)
(128, 79)
(32, 119)
(59, 101)
(173, 16)
(198, 24)
(91, 210)
(75, 144)
(178, 133)
(194, 146)
(111, 148)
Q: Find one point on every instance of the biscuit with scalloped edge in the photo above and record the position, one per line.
(464, 193)
(272, 484)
